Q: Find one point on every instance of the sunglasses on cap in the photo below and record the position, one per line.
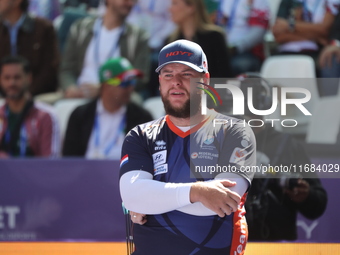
(132, 81)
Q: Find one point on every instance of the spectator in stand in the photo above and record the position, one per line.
(194, 24)
(27, 128)
(245, 22)
(154, 17)
(32, 38)
(329, 61)
(97, 129)
(92, 41)
(212, 9)
(88, 3)
(303, 25)
(48, 9)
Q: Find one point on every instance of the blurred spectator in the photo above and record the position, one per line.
(195, 25)
(27, 128)
(91, 41)
(303, 25)
(212, 7)
(88, 3)
(154, 17)
(65, 21)
(32, 38)
(245, 22)
(97, 129)
(329, 61)
(49, 9)
(273, 202)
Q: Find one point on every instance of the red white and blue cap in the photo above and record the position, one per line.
(183, 52)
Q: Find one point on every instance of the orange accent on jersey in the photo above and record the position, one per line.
(179, 132)
(240, 231)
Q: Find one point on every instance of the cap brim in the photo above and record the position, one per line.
(196, 68)
(132, 73)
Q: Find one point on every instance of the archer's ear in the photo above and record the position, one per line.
(206, 78)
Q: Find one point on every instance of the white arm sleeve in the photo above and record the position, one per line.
(160, 197)
(154, 197)
(199, 209)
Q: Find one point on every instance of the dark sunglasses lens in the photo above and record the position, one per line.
(128, 83)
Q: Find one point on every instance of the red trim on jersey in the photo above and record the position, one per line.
(179, 132)
(240, 230)
(124, 157)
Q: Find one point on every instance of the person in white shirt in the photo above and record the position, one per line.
(92, 41)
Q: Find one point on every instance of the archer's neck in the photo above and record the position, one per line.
(186, 122)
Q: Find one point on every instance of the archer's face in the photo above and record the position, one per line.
(176, 91)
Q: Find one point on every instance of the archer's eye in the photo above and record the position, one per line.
(187, 74)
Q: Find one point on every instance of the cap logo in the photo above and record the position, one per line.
(107, 74)
(125, 63)
(179, 52)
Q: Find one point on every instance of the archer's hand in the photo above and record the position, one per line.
(216, 196)
(138, 218)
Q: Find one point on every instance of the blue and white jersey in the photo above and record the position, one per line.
(173, 156)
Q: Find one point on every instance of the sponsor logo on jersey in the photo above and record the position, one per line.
(159, 158)
(244, 143)
(209, 140)
(194, 155)
(162, 169)
(124, 160)
(240, 230)
(161, 145)
(210, 147)
(237, 156)
(207, 155)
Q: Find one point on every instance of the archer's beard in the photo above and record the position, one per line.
(189, 108)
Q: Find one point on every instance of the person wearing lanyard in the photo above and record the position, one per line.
(27, 128)
(33, 38)
(97, 129)
(93, 40)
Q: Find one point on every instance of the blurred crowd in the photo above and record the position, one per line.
(65, 42)
(106, 52)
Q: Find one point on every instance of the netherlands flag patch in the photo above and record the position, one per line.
(124, 160)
